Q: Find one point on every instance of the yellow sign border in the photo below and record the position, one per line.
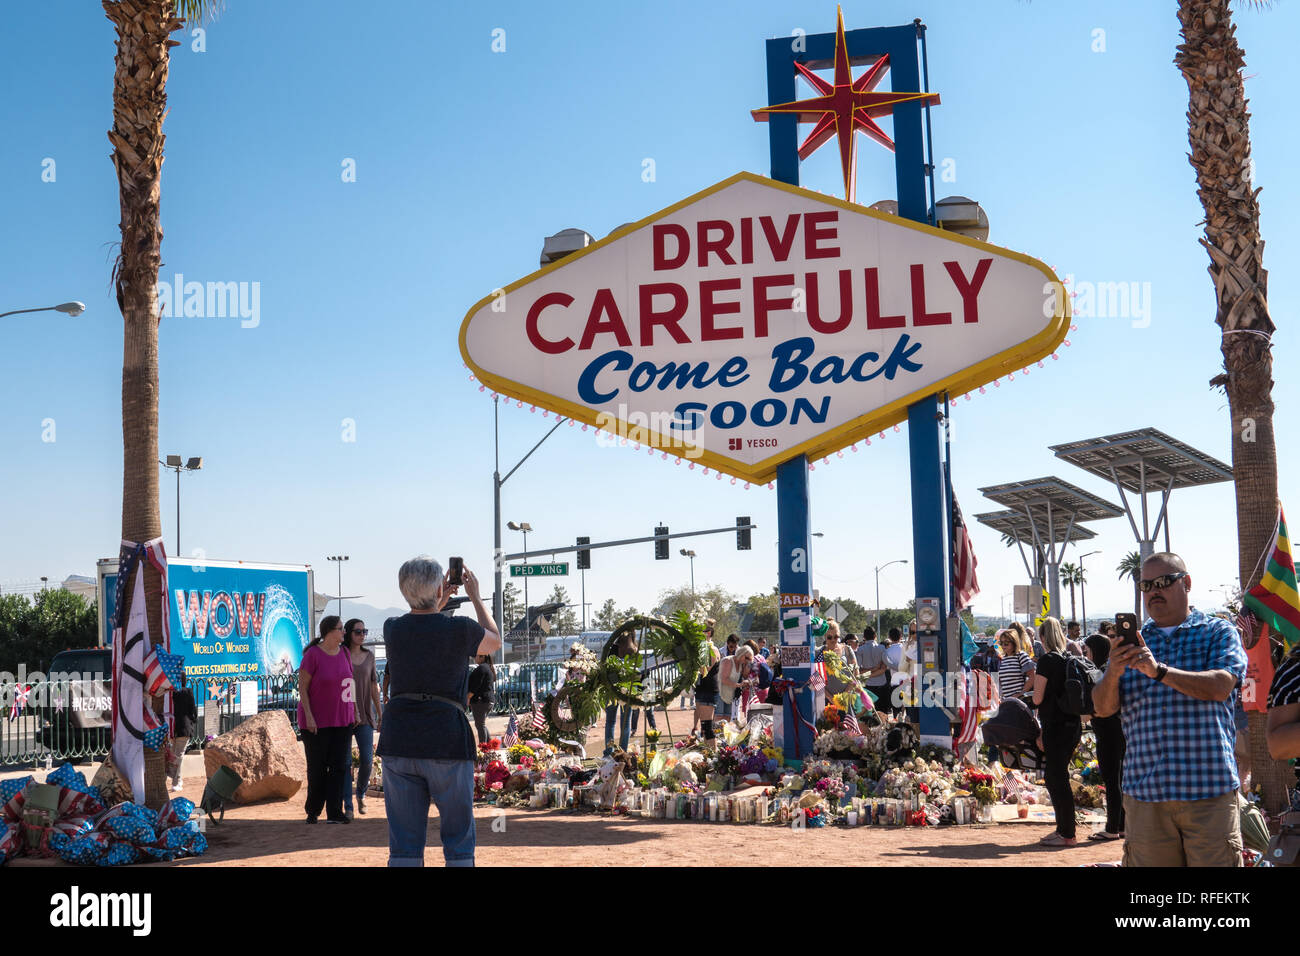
(1037, 347)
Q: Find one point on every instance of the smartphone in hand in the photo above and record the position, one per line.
(1126, 628)
(455, 571)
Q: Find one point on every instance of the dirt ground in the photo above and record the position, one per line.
(275, 834)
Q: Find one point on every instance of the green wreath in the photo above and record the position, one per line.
(618, 679)
(682, 641)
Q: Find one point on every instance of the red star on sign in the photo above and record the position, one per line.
(844, 107)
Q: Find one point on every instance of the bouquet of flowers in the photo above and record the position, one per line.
(518, 752)
(981, 787)
(832, 788)
(756, 761)
(727, 761)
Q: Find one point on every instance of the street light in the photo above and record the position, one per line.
(525, 527)
(691, 555)
(174, 462)
(73, 309)
(1083, 598)
(339, 559)
(878, 570)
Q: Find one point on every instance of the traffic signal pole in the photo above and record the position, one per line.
(569, 548)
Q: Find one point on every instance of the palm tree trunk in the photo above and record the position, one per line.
(1211, 61)
(139, 105)
(1071, 600)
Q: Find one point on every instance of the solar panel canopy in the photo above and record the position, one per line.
(1125, 456)
(1017, 524)
(1065, 499)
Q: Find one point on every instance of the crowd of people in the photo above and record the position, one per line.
(1166, 713)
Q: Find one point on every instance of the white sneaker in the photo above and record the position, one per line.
(177, 789)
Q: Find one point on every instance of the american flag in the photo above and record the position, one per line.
(539, 717)
(155, 681)
(20, 700)
(963, 560)
(850, 724)
(817, 681)
(968, 712)
(512, 731)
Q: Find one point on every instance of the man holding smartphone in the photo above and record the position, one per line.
(1174, 685)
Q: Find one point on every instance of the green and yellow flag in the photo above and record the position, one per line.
(1276, 600)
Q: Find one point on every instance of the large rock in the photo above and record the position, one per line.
(265, 752)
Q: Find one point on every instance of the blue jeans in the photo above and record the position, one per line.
(624, 728)
(365, 737)
(409, 784)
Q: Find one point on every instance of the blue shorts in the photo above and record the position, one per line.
(707, 697)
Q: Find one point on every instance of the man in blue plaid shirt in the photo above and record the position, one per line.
(1174, 690)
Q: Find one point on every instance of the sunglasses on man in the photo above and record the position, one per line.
(1160, 583)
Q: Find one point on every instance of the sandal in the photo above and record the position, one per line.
(1102, 836)
(1055, 839)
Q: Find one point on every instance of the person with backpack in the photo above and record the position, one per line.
(1061, 730)
(1110, 750)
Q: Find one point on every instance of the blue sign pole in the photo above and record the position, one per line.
(929, 487)
(794, 574)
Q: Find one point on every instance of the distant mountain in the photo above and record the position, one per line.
(373, 616)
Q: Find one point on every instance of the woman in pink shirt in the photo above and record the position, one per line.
(325, 717)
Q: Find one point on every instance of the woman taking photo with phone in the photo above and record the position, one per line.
(427, 744)
(325, 717)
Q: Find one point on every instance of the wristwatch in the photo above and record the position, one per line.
(1161, 671)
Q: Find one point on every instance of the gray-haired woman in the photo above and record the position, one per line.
(427, 744)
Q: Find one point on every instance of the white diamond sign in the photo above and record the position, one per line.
(754, 322)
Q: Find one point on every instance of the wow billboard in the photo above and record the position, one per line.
(230, 618)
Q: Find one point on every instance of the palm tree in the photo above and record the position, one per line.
(1071, 574)
(1131, 567)
(144, 29)
(1218, 129)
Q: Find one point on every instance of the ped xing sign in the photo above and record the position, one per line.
(538, 570)
(755, 322)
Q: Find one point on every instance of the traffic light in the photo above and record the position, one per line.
(742, 533)
(661, 542)
(584, 557)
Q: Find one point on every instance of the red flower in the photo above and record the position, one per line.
(924, 788)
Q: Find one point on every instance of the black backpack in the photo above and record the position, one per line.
(1081, 676)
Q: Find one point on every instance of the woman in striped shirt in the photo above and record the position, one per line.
(1284, 710)
(1016, 669)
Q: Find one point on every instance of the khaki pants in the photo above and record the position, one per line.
(1183, 832)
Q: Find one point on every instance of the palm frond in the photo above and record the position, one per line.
(199, 11)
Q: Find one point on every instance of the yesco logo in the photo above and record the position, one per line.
(76, 909)
(222, 611)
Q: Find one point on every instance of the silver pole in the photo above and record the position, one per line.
(498, 607)
(528, 611)
(877, 603)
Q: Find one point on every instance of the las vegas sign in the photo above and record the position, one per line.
(755, 321)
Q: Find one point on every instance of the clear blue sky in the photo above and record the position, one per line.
(465, 159)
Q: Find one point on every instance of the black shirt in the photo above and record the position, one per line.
(1051, 667)
(480, 684)
(427, 655)
(185, 712)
